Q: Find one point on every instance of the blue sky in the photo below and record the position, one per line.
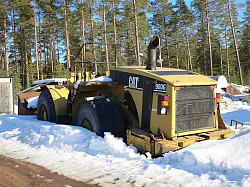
(240, 10)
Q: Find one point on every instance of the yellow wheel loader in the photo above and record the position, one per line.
(155, 109)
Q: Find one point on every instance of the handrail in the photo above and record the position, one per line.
(236, 123)
(89, 62)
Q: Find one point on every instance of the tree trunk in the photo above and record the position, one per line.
(93, 37)
(177, 58)
(51, 52)
(136, 36)
(37, 64)
(132, 40)
(166, 35)
(159, 49)
(57, 50)
(15, 48)
(53, 47)
(105, 35)
(45, 55)
(22, 67)
(235, 42)
(114, 22)
(83, 35)
(1, 58)
(5, 17)
(221, 62)
(204, 46)
(47, 52)
(26, 56)
(40, 46)
(188, 49)
(227, 56)
(209, 40)
(67, 36)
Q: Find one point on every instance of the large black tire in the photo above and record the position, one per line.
(101, 116)
(45, 107)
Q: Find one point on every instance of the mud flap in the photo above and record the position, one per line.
(148, 89)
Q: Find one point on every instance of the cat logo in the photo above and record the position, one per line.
(133, 82)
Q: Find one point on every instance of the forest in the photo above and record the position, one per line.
(38, 38)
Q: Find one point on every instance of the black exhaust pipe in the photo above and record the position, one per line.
(152, 53)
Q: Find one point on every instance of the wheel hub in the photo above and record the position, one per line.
(43, 113)
(86, 124)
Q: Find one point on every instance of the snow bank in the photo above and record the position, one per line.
(80, 154)
(101, 79)
(233, 108)
(77, 84)
(32, 102)
(229, 104)
(16, 107)
(98, 79)
(222, 82)
(241, 88)
(49, 80)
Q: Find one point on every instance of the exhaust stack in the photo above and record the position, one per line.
(152, 53)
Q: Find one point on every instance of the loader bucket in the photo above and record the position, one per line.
(23, 103)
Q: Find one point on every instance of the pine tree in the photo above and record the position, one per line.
(235, 41)
(244, 46)
(185, 19)
(209, 39)
(162, 14)
(5, 17)
(67, 35)
(200, 9)
(138, 59)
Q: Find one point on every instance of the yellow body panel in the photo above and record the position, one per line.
(175, 80)
(163, 122)
(172, 78)
(73, 79)
(60, 96)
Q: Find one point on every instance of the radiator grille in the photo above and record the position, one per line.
(195, 108)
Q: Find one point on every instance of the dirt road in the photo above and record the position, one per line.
(15, 173)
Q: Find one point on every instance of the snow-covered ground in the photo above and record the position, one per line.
(80, 154)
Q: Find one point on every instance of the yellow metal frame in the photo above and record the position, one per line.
(156, 146)
(60, 95)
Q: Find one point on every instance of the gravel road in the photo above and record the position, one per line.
(16, 173)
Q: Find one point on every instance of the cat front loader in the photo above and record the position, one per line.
(155, 109)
